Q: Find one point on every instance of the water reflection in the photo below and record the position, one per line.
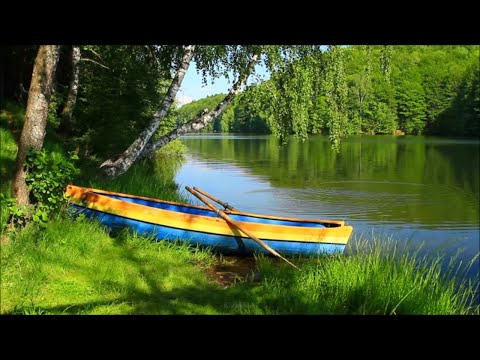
(417, 188)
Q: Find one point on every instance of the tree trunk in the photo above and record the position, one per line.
(204, 117)
(116, 166)
(33, 132)
(72, 91)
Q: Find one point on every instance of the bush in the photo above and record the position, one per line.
(47, 175)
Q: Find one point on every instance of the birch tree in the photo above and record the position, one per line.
(116, 166)
(211, 61)
(206, 116)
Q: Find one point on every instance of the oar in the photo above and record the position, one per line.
(211, 197)
(238, 226)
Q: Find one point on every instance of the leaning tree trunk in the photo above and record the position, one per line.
(204, 117)
(116, 166)
(33, 132)
(72, 91)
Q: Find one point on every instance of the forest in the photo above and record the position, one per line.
(432, 90)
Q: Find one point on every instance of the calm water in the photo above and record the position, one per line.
(419, 189)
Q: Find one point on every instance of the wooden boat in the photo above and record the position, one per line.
(200, 225)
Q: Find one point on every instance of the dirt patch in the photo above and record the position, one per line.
(231, 269)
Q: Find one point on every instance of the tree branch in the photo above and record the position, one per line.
(205, 116)
(95, 62)
(114, 167)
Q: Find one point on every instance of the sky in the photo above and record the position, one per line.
(193, 89)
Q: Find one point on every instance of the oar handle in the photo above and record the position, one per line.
(238, 226)
(211, 197)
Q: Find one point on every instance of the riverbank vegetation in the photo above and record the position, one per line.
(77, 267)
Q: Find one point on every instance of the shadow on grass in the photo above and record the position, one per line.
(76, 274)
(146, 292)
(188, 300)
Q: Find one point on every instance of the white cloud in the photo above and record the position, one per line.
(183, 99)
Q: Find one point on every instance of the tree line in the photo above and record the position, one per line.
(431, 90)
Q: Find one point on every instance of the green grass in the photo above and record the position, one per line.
(379, 278)
(78, 268)
(150, 178)
(8, 152)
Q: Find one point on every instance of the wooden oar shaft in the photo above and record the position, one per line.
(211, 197)
(238, 226)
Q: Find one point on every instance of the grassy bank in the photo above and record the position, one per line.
(376, 279)
(76, 267)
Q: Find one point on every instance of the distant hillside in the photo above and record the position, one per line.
(188, 111)
(237, 117)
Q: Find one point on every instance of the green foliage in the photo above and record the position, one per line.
(386, 53)
(372, 90)
(56, 101)
(173, 148)
(411, 108)
(12, 213)
(463, 117)
(427, 81)
(238, 117)
(115, 103)
(47, 175)
(378, 118)
(334, 86)
(244, 118)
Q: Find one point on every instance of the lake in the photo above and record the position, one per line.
(420, 189)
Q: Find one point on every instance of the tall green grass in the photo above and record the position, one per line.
(379, 278)
(151, 178)
(77, 267)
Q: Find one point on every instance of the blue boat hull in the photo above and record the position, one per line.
(217, 242)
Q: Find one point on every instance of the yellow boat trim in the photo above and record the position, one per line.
(73, 190)
(214, 225)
